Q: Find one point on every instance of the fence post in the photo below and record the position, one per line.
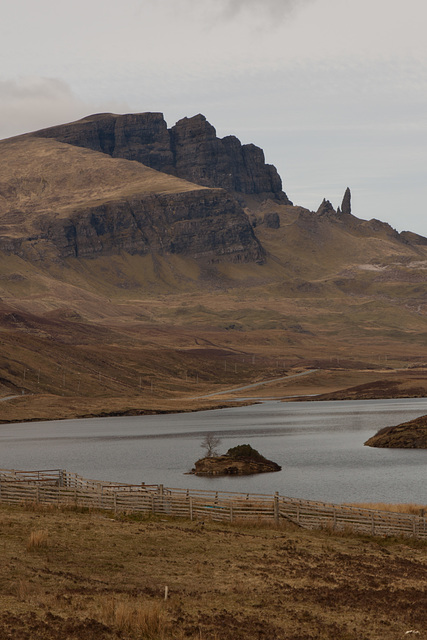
(191, 508)
(276, 506)
(115, 502)
(161, 494)
(373, 525)
(334, 524)
(231, 512)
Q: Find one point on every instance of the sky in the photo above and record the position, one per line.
(334, 91)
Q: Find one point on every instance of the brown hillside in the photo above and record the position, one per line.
(109, 265)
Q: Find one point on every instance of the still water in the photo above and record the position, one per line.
(318, 444)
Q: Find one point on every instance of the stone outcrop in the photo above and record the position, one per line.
(229, 466)
(346, 203)
(272, 220)
(205, 224)
(325, 208)
(203, 158)
(189, 150)
(143, 137)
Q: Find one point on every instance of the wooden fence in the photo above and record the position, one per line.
(61, 488)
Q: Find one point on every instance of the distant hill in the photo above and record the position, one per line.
(110, 184)
(117, 230)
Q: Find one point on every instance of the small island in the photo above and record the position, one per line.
(240, 460)
(408, 435)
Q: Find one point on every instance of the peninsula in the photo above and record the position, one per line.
(408, 435)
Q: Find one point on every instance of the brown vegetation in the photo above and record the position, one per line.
(410, 508)
(104, 578)
(409, 435)
(123, 326)
(37, 540)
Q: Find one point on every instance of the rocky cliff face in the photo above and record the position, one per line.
(189, 150)
(59, 200)
(143, 137)
(203, 158)
(207, 225)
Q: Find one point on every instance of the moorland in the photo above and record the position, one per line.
(142, 268)
(93, 575)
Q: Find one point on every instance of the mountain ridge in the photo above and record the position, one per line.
(190, 150)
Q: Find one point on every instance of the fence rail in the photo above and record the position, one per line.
(61, 488)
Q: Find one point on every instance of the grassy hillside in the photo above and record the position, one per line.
(44, 176)
(331, 292)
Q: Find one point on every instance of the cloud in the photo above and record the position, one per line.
(264, 12)
(31, 103)
(272, 8)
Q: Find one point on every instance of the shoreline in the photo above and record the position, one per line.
(57, 409)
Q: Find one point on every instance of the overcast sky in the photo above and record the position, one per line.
(334, 91)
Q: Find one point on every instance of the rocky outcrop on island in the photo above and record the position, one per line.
(189, 150)
(226, 466)
(408, 435)
(241, 460)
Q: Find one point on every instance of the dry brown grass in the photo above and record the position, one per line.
(413, 509)
(104, 579)
(147, 620)
(45, 175)
(38, 540)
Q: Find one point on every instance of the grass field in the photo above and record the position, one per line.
(74, 575)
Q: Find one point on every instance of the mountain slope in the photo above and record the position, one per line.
(57, 201)
(203, 270)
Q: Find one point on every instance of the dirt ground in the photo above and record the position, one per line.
(95, 576)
